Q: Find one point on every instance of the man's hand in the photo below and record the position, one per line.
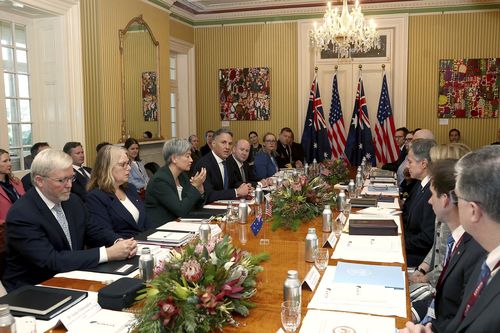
(122, 249)
(243, 190)
(412, 328)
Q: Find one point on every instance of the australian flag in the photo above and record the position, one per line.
(315, 136)
(359, 141)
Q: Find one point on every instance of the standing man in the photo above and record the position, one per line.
(49, 230)
(286, 156)
(399, 136)
(207, 148)
(82, 173)
(418, 216)
(220, 184)
(195, 148)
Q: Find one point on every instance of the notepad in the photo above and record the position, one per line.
(172, 238)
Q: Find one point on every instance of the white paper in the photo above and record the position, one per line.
(193, 227)
(318, 321)
(387, 193)
(227, 202)
(364, 299)
(376, 211)
(104, 321)
(93, 276)
(216, 206)
(389, 205)
(369, 248)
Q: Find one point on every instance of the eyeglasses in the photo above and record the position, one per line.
(398, 137)
(454, 198)
(408, 139)
(62, 180)
(270, 141)
(125, 164)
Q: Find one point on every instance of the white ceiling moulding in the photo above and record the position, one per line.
(203, 10)
(56, 7)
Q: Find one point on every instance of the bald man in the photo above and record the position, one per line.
(238, 162)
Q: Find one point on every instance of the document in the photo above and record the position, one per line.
(369, 248)
(350, 297)
(362, 274)
(327, 321)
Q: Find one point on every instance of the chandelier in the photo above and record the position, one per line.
(348, 32)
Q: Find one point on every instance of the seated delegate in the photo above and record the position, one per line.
(112, 201)
(170, 192)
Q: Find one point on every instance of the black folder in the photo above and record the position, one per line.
(121, 267)
(205, 213)
(43, 303)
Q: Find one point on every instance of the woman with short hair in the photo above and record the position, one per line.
(171, 193)
(111, 200)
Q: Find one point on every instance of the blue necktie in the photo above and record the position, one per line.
(449, 246)
(225, 178)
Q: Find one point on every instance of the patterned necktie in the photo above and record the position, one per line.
(61, 218)
(225, 178)
(83, 172)
(243, 177)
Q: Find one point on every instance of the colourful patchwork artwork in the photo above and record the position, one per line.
(149, 97)
(469, 88)
(244, 93)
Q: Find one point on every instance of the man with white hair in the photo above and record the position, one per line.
(49, 230)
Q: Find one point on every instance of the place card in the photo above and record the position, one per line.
(311, 279)
(342, 218)
(330, 241)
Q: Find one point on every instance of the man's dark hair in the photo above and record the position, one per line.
(100, 145)
(252, 132)
(442, 173)
(286, 129)
(35, 148)
(70, 145)
(206, 133)
(454, 130)
(222, 131)
(403, 129)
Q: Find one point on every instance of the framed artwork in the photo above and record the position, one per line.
(149, 96)
(244, 93)
(469, 88)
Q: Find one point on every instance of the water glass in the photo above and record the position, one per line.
(321, 259)
(290, 315)
(232, 214)
(337, 227)
(347, 208)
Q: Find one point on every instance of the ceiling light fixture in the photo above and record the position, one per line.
(346, 33)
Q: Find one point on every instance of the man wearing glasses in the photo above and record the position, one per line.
(49, 231)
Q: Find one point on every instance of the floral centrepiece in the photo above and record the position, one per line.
(334, 171)
(200, 288)
(300, 200)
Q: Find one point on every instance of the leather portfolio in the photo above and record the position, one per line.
(364, 202)
(373, 227)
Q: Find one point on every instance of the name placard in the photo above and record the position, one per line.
(311, 279)
(330, 241)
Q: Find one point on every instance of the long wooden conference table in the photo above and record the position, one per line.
(286, 249)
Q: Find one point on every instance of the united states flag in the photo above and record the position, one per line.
(336, 132)
(386, 148)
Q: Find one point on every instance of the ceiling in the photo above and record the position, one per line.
(18, 8)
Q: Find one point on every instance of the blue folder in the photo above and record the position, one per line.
(387, 276)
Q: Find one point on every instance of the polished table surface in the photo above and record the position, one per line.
(286, 249)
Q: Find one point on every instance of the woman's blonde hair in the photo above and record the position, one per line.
(447, 151)
(102, 174)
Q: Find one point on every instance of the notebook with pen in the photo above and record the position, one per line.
(121, 267)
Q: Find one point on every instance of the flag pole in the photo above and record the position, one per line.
(360, 71)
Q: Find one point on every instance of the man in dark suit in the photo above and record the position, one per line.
(238, 161)
(82, 173)
(289, 154)
(195, 151)
(220, 184)
(399, 136)
(49, 230)
(461, 253)
(418, 216)
(207, 148)
(477, 192)
(35, 149)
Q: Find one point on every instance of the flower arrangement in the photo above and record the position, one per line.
(335, 171)
(200, 288)
(300, 200)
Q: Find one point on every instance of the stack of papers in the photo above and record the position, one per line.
(363, 298)
(170, 238)
(369, 248)
(327, 321)
(191, 227)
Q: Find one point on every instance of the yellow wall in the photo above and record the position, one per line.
(101, 21)
(182, 31)
(448, 36)
(263, 45)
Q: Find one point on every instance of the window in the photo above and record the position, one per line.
(16, 94)
(173, 95)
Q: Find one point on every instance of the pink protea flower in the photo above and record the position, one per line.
(191, 270)
(303, 180)
(207, 299)
(296, 187)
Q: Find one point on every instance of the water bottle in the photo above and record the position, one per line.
(205, 232)
(259, 195)
(359, 180)
(327, 219)
(341, 199)
(315, 167)
(306, 169)
(7, 321)
(146, 265)
(351, 188)
(311, 244)
(243, 211)
(292, 290)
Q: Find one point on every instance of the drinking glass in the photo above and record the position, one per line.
(321, 259)
(232, 214)
(347, 208)
(337, 227)
(290, 315)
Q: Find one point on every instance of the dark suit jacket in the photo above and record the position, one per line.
(37, 247)
(450, 292)
(419, 223)
(283, 158)
(483, 316)
(26, 180)
(214, 184)
(162, 199)
(80, 184)
(205, 149)
(264, 166)
(247, 169)
(107, 210)
(395, 165)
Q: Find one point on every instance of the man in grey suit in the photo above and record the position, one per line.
(477, 192)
